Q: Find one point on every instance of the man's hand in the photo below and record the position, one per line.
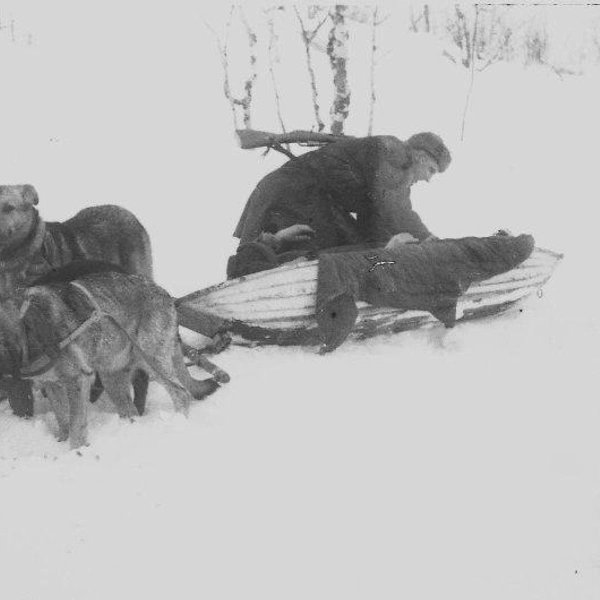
(504, 232)
(295, 234)
(399, 239)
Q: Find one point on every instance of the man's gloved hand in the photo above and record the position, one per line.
(295, 234)
(399, 239)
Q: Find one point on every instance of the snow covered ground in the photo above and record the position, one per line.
(392, 468)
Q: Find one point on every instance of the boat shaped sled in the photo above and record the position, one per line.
(278, 306)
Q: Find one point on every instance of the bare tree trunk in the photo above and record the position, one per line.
(472, 46)
(426, 19)
(246, 101)
(337, 49)
(223, 48)
(416, 20)
(464, 34)
(374, 25)
(307, 38)
(537, 46)
(273, 59)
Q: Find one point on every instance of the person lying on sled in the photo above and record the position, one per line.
(351, 192)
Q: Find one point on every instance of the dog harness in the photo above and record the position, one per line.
(44, 363)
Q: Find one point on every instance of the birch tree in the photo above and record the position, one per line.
(238, 103)
(337, 50)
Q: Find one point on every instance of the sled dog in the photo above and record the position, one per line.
(106, 323)
(31, 248)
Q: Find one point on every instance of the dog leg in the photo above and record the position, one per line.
(78, 393)
(166, 373)
(181, 398)
(198, 389)
(117, 386)
(19, 397)
(97, 389)
(60, 406)
(198, 359)
(140, 390)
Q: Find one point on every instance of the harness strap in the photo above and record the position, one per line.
(89, 297)
(37, 367)
(44, 363)
(99, 314)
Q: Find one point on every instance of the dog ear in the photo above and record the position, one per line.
(29, 194)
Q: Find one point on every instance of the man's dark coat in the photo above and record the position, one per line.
(355, 191)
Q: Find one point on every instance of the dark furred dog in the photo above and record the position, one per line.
(107, 323)
(75, 270)
(31, 248)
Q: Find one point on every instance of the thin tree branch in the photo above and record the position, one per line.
(316, 29)
(253, 75)
(272, 60)
(383, 19)
(223, 53)
(470, 91)
(306, 38)
(372, 74)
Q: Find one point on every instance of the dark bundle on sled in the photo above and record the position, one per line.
(455, 280)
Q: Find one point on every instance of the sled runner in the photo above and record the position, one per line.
(279, 306)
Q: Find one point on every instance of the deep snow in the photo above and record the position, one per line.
(391, 468)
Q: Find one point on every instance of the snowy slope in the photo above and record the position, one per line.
(393, 468)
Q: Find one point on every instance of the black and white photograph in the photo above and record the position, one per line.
(298, 301)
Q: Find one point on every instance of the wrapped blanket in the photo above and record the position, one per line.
(429, 276)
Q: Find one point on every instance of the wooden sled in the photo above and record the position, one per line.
(278, 306)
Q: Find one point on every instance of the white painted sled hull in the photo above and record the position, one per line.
(278, 306)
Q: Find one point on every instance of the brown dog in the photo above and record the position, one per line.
(109, 323)
(31, 248)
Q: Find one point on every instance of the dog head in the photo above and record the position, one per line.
(17, 214)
